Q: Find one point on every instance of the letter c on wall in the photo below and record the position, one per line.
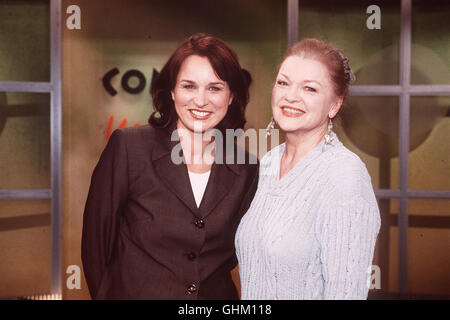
(107, 81)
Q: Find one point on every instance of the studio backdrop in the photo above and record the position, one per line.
(109, 52)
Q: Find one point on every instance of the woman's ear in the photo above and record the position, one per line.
(172, 95)
(231, 99)
(335, 107)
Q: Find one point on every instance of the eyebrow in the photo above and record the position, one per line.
(304, 81)
(211, 83)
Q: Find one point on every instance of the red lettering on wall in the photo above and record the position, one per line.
(108, 127)
(121, 125)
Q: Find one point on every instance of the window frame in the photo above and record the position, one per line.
(53, 87)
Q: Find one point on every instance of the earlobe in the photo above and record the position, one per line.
(335, 108)
(172, 95)
(231, 100)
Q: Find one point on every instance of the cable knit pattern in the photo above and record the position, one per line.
(310, 235)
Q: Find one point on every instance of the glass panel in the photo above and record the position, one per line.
(368, 126)
(24, 140)
(428, 238)
(428, 251)
(25, 40)
(393, 280)
(430, 49)
(429, 156)
(428, 208)
(24, 247)
(373, 53)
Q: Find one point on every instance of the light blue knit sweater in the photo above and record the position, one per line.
(310, 235)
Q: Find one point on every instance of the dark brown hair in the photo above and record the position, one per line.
(226, 65)
(333, 58)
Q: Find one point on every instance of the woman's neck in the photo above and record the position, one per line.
(299, 143)
(198, 153)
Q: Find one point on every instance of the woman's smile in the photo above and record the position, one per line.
(292, 112)
(200, 114)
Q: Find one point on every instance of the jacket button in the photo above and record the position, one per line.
(191, 289)
(191, 256)
(200, 223)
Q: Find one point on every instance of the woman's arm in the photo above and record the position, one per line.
(107, 195)
(349, 232)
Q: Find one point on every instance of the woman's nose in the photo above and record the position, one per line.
(293, 94)
(200, 98)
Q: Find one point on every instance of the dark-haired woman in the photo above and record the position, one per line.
(311, 229)
(158, 228)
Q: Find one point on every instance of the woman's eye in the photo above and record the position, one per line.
(282, 83)
(310, 89)
(215, 89)
(188, 86)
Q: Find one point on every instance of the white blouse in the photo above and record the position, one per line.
(198, 184)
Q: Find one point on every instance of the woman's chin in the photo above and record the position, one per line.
(289, 128)
(200, 126)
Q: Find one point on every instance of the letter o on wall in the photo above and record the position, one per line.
(133, 73)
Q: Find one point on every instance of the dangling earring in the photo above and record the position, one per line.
(270, 127)
(329, 136)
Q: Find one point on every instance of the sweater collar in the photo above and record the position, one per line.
(310, 158)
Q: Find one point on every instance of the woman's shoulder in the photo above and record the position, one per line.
(342, 158)
(271, 159)
(273, 154)
(145, 133)
(137, 139)
(138, 132)
(347, 172)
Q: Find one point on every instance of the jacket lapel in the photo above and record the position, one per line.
(219, 185)
(221, 181)
(175, 176)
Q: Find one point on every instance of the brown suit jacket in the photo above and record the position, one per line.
(143, 235)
